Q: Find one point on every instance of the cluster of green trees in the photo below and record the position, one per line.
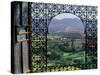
(63, 54)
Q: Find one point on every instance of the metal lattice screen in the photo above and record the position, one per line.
(42, 14)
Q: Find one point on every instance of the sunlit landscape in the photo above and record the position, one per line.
(65, 41)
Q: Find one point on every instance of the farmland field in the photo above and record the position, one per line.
(61, 52)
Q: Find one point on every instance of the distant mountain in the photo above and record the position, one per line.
(67, 25)
(70, 30)
(70, 35)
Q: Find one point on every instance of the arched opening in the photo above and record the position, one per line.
(65, 40)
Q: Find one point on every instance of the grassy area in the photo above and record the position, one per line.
(61, 54)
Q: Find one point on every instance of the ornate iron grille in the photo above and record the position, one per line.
(42, 15)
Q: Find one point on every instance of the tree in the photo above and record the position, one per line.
(72, 45)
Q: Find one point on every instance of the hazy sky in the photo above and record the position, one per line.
(65, 15)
